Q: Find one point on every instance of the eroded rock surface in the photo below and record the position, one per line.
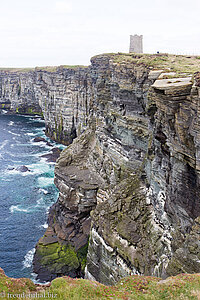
(129, 182)
(60, 96)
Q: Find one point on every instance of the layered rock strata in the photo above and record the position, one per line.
(134, 154)
(129, 182)
(147, 201)
(17, 92)
(60, 96)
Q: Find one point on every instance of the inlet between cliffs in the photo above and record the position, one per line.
(26, 190)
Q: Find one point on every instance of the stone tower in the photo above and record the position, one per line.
(136, 43)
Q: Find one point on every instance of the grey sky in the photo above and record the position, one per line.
(55, 32)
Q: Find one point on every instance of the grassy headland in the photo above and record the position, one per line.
(182, 286)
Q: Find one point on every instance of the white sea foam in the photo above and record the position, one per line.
(40, 129)
(36, 120)
(39, 154)
(30, 133)
(43, 191)
(47, 210)
(10, 123)
(4, 112)
(61, 146)
(17, 172)
(40, 144)
(45, 181)
(13, 172)
(15, 208)
(28, 258)
(41, 203)
(13, 133)
(14, 145)
(21, 145)
(4, 144)
(26, 116)
(39, 168)
(45, 225)
(44, 160)
(37, 281)
(26, 173)
(5, 179)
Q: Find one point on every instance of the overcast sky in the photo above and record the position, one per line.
(57, 32)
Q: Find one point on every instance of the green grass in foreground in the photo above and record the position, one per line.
(183, 286)
(134, 287)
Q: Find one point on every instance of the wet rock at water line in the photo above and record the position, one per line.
(53, 156)
(22, 169)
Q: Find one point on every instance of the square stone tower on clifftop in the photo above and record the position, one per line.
(136, 43)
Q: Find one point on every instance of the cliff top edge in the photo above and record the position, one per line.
(179, 64)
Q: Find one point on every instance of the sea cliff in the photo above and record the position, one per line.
(129, 179)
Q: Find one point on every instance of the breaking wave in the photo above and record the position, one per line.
(28, 258)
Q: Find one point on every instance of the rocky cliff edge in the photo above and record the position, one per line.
(129, 182)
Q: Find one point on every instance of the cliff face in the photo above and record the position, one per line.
(130, 180)
(176, 135)
(63, 98)
(60, 95)
(17, 92)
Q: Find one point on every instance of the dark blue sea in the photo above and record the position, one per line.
(25, 197)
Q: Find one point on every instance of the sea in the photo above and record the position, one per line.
(25, 197)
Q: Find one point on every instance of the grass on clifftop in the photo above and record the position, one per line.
(167, 62)
(47, 68)
(187, 64)
(55, 68)
(183, 286)
(13, 70)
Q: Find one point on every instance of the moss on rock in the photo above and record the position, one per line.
(52, 259)
(56, 260)
(82, 256)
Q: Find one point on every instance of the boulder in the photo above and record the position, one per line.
(22, 169)
(38, 139)
(53, 156)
